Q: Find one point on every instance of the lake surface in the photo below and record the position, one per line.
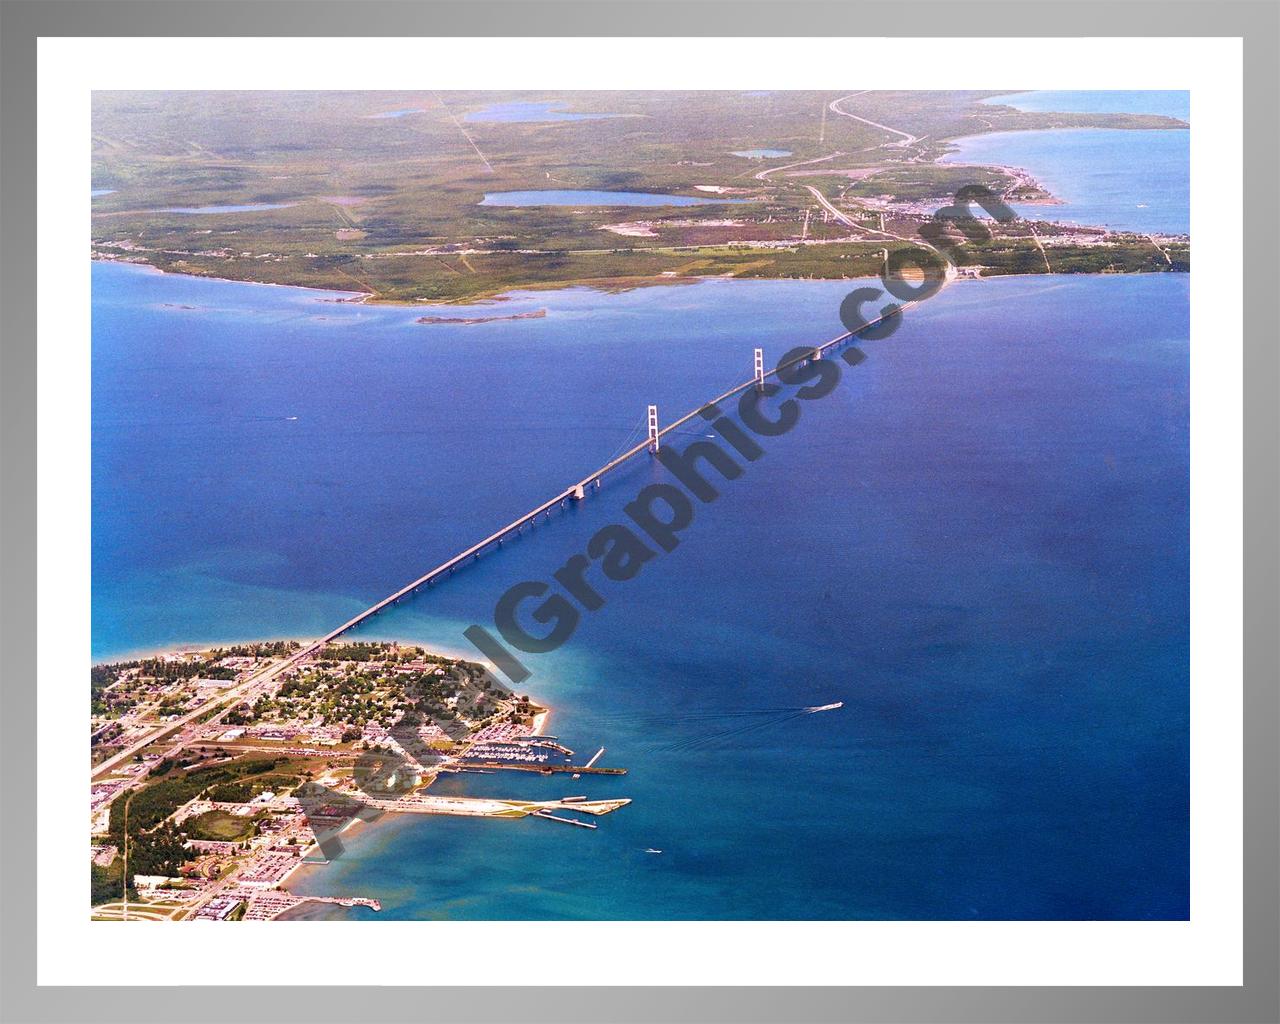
(760, 154)
(1097, 101)
(244, 208)
(1121, 179)
(94, 193)
(978, 543)
(529, 111)
(588, 197)
(389, 114)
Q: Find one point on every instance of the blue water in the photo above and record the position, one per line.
(529, 112)
(244, 208)
(978, 543)
(1127, 180)
(1151, 101)
(94, 193)
(590, 197)
(759, 154)
(387, 114)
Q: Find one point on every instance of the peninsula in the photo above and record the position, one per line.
(446, 203)
(219, 773)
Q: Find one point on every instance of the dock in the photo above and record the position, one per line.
(541, 767)
(565, 821)
(345, 901)
(481, 807)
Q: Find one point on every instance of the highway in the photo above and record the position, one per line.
(764, 175)
(847, 221)
(263, 676)
(907, 137)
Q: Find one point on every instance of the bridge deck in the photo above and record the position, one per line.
(568, 493)
(277, 669)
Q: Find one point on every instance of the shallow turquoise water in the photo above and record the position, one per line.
(1170, 103)
(757, 154)
(1127, 180)
(978, 543)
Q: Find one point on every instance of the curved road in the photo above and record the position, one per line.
(907, 137)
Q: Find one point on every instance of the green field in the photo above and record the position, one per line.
(220, 825)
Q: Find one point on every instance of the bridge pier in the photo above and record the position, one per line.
(576, 492)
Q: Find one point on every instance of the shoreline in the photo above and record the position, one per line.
(305, 871)
(1183, 126)
(358, 299)
(143, 654)
(603, 285)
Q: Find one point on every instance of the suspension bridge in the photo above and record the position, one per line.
(579, 490)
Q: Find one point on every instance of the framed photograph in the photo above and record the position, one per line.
(626, 513)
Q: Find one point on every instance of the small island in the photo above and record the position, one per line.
(536, 314)
(218, 773)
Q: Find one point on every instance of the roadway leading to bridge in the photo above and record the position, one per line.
(573, 492)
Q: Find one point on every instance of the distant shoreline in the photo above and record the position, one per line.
(603, 286)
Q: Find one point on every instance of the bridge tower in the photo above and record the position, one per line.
(653, 429)
(759, 369)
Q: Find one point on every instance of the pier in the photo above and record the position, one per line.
(345, 901)
(484, 807)
(542, 767)
(565, 821)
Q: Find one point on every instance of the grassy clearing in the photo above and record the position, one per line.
(221, 826)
